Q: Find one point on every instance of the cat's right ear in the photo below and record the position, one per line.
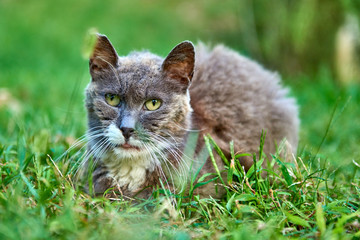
(103, 57)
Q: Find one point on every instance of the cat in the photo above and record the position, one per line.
(142, 109)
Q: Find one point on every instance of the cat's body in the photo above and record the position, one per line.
(140, 113)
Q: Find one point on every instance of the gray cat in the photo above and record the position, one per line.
(141, 109)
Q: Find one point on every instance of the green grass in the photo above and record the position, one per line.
(301, 198)
(42, 70)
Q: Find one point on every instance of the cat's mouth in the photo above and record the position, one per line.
(128, 146)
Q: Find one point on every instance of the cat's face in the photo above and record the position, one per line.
(138, 105)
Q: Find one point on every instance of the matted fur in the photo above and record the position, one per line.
(216, 92)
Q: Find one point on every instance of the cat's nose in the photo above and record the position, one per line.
(127, 132)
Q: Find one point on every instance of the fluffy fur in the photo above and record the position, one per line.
(216, 92)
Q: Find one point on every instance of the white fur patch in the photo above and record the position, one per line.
(128, 166)
(130, 171)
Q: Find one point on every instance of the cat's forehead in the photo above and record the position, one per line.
(138, 71)
(140, 62)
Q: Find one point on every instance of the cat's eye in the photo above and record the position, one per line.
(152, 104)
(112, 99)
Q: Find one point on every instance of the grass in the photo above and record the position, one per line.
(302, 198)
(43, 76)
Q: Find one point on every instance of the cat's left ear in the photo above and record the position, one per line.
(179, 64)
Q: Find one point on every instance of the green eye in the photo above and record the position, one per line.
(152, 104)
(112, 99)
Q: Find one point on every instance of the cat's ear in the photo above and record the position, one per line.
(179, 64)
(103, 57)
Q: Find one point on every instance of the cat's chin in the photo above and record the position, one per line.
(128, 151)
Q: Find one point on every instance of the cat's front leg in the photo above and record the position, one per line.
(101, 182)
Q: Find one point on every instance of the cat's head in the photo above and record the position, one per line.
(139, 104)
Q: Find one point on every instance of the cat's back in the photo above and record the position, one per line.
(235, 98)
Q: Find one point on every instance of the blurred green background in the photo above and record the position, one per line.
(43, 73)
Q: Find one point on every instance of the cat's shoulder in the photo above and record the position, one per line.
(221, 66)
(220, 55)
